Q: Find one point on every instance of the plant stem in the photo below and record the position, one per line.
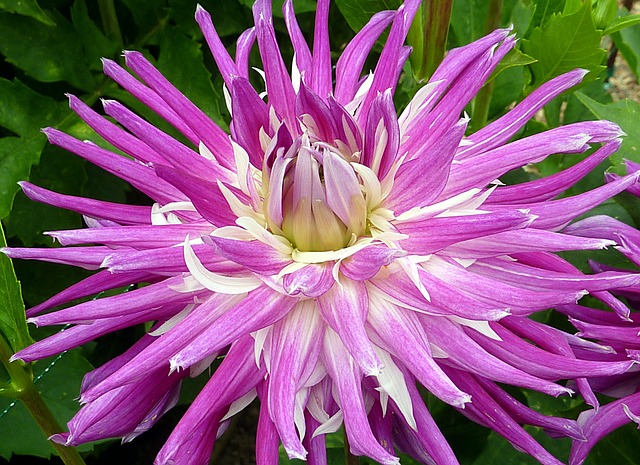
(416, 40)
(349, 458)
(110, 20)
(24, 389)
(482, 101)
(436, 16)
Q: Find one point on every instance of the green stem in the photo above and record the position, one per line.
(24, 389)
(110, 20)
(436, 16)
(416, 40)
(48, 424)
(349, 458)
(482, 101)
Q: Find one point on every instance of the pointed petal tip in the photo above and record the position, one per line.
(49, 132)
(634, 355)
(200, 10)
(462, 401)
(299, 453)
(175, 364)
(132, 56)
(61, 438)
(109, 66)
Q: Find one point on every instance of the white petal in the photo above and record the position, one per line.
(240, 404)
(392, 382)
(174, 320)
(216, 282)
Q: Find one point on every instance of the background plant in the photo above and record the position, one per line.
(50, 47)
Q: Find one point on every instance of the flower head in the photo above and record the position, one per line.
(331, 253)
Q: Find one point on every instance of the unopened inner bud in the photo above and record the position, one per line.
(323, 206)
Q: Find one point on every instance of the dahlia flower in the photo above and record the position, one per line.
(330, 256)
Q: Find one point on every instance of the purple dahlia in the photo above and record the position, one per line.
(332, 255)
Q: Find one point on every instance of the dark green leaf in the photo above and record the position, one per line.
(300, 6)
(499, 450)
(549, 405)
(567, 42)
(619, 447)
(468, 20)
(27, 8)
(47, 53)
(17, 155)
(148, 14)
(59, 387)
(181, 62)
(95, 43)
(59, 171)
(13, 323)
(626, 114)
(358, 12)
(508, 88)
(229, 17)
(24, 111)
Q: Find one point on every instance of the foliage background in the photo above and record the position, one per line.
(49, 47)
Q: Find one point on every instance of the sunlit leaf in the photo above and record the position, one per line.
(27, 8)
(626, 114)
(13, 324)
(567, 42)
(46, 53)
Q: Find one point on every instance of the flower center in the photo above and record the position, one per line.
(315, 198)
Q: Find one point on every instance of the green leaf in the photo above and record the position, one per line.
(543, 10)
(515, 58)
(508, 88)
(300, 6)
(628, 42)
(549, 405)
(148, 14)
(621, 23)
(24, 111)
(619, 447)
(567, 42)
(230, 17)
(59, 387)
(358, 12)
(181, 62)
(499, 450)
(47, 53)
(604, 11)
(27, 8)
(17, 156)
(59, 171)
(576, 111)
(521, 16)
(626, 114)
(468, 19)
(13, 323)
(95, 43)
